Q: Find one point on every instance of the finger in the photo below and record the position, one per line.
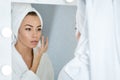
(42, 44)
(46, 45)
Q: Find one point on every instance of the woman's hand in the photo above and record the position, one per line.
(42, 49)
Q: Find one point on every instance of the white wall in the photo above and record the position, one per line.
(61, 2)
(5, 41)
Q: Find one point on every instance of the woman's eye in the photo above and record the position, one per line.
(39, 29)
(28, 29)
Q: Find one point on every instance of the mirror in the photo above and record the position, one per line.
(59, 26)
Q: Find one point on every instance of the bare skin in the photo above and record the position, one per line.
(77, 34)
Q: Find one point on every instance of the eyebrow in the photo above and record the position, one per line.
(32, 26)
(39, 26)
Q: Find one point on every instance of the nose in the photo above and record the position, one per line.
(77, 35)
(34, 33)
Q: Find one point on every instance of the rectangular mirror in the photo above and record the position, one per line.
(59, 27)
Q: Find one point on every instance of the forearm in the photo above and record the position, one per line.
(35, 64)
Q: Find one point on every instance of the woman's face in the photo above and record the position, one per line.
(30, 31)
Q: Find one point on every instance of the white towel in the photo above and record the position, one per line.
(19, 11)
(77, 68)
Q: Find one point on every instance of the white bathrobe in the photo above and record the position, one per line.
(102, 61)
(20, 69)
(104, 39)
(78, 67)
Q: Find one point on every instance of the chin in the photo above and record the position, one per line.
(33, 46)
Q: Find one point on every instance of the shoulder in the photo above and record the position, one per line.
(63, 75)
(68, 70)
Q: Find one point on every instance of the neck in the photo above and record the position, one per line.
(26, 53)
(23, 50)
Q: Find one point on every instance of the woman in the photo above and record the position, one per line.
(78, 67)
(102, 61)
(29, 60)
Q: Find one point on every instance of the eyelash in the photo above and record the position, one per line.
(39, 29)
(75, 28)
(29, 29)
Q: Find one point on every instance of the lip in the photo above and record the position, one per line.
(34, 42)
